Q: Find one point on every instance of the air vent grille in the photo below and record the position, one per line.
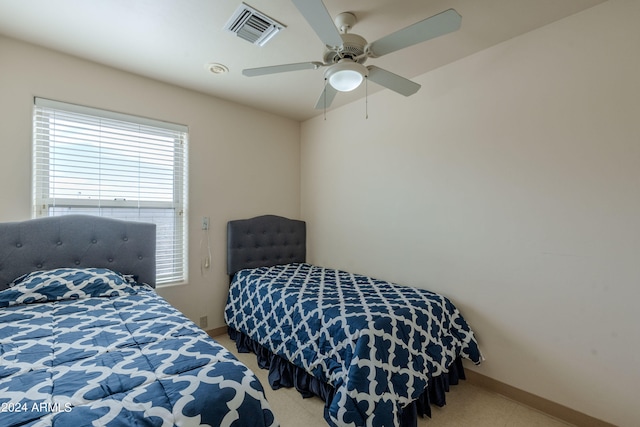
(252, 26)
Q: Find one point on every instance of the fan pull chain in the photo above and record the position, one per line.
(366, 98)
(324, 100)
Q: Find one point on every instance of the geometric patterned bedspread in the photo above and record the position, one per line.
(377, 343)
(115, 356)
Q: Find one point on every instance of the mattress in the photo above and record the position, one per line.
(93, 347)
(378, 344)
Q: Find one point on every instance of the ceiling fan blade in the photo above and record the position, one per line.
(316, 14)
(326, 97)
(261, 71)
(392, 81)
(437, 25)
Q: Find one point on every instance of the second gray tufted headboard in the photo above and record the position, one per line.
(78, 241)
(265, 241)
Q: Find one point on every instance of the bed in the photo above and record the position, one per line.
(378, 353)
(85, 339)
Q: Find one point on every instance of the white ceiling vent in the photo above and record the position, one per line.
(253, 26)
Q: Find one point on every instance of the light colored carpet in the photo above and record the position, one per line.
(467, 405)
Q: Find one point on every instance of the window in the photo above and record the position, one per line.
(89, 161)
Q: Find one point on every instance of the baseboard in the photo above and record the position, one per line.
(536, 402)
(525, 398)
(217, 331)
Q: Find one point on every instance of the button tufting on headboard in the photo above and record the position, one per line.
(276, 236)
(77, 241)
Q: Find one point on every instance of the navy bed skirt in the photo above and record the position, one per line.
(283, 373)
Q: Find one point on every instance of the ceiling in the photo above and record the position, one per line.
(175, 40)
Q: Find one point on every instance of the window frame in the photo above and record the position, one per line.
(45, 204)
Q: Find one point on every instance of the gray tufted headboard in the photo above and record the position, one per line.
(77, 241)
(265, 241)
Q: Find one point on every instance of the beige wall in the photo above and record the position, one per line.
(511, 184)
(242, 162)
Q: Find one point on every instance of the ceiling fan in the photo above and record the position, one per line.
(345, 52)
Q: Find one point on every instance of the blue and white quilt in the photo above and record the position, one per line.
(92, 347)
(377, 343)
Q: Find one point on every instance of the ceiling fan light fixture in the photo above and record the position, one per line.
(346, 75)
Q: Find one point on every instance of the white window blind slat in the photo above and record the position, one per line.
(97, 162)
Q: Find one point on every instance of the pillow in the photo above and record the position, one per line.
(66, 283)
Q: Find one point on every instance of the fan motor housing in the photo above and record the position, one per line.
(353, 47)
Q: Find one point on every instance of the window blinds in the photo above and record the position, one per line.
(97, 162)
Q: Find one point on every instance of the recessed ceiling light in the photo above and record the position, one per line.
(216, 68)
